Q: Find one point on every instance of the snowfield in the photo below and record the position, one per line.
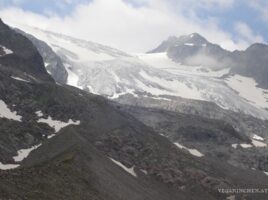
(57, 125)
(247, 89)
(5, 112)
(128, 170)
(24, 153)
(8, 166)
(6, 50)
(20, 79)
(194, 152)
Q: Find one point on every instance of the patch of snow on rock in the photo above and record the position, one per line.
(188, 44)
(258, 143)
(234, 145)
(245, 146)
(144, 171)
(20, 79)
(191, 151)
(5, 112)
(256, 137)
(24, 153)
(6, 50)
(57, 125)
(51, 136)
(129, 170)
(8, 166)
(39, 113)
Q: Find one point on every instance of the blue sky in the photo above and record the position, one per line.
(231, 23)
(61, 7)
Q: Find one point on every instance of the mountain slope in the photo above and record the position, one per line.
(21, 57)
(52, 61)
(151, 75)
(59, 141)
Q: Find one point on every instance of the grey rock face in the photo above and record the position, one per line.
(52, 61)
(252, 62)
(24, 57)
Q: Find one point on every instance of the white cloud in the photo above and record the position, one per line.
(261, 6)
(133, 29)
(246, 34)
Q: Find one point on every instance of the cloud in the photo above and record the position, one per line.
(261, 6)
(246, 34)
(133, 27)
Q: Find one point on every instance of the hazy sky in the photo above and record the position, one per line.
(140, 25)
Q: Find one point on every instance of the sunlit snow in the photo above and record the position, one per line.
(257, 137)
(6, 50)
(57, 125)
(194, 152)
(247, 88)
(246, 146)
(8, 166)
(129, 170)
(20, 79)
(5, 112)
(24, 153)
(234, 145)
(189, 44)
(39, 113)
(258, 143)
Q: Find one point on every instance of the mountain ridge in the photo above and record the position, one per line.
(250, 62)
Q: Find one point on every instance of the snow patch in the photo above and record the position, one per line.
(144, 171)
(6, 50)
(20, 79)
(8, 166)
(245, 146)
(247, 88)
(191, 151)
(57, 125)
(234, 145)
(256, 137)
(5, 112)
(129, 170)
(258, 143)
(189, 44)
(266, 173)
(51, 136)
(39, 113)
(24, 153)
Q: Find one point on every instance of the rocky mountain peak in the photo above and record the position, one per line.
(20, 56)
(192, 40)
(256, 47)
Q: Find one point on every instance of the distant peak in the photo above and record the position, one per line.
(195, 37)
(193, 40)
(257, 48)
